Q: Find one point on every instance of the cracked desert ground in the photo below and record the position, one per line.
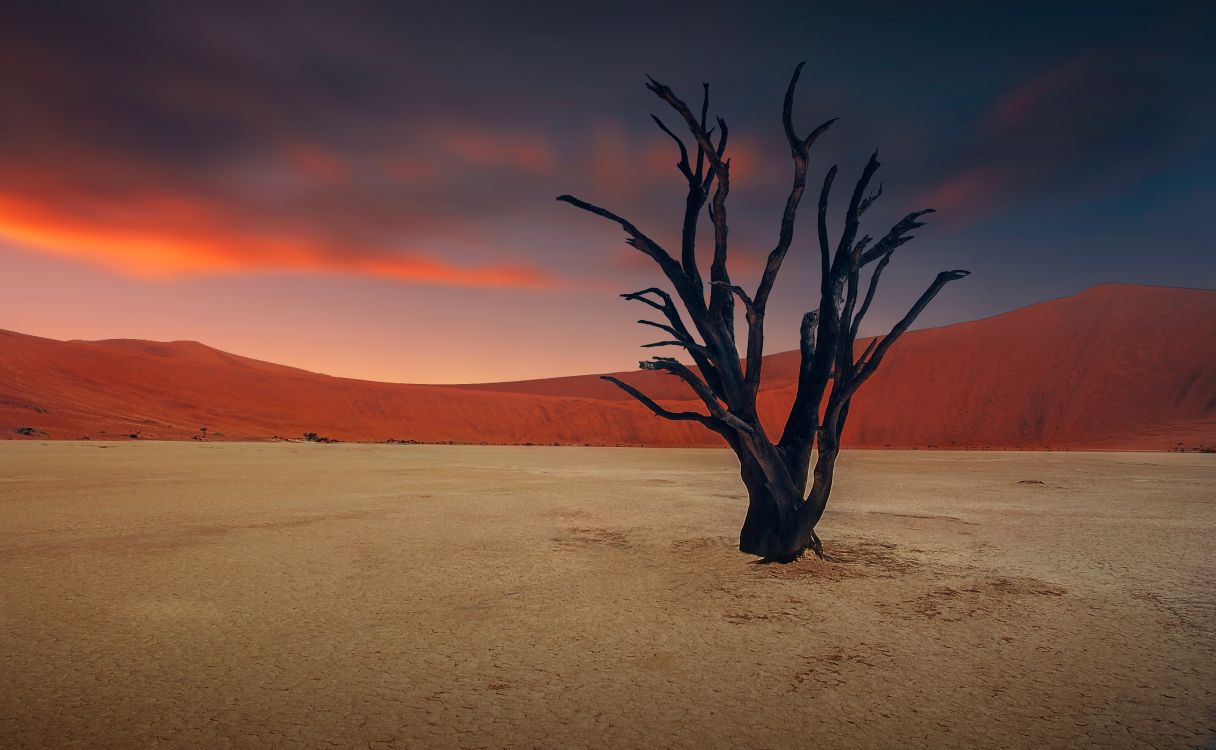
(296, 595)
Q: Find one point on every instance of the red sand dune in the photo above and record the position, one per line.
(1115, 367)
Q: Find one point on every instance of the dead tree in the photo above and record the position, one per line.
(782, 513)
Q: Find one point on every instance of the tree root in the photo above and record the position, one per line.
(782, 559)
(815, 544)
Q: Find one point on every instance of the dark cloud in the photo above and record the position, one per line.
(1083, 128)
(426, 141)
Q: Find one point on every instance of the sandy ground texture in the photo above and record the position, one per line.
(295, 595)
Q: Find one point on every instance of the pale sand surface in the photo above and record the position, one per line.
(257, 595)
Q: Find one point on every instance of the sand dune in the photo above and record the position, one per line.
(372, 596)
(1115, 367)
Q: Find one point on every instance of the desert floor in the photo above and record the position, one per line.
(257, 595)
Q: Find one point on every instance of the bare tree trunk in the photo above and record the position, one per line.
(772, 526)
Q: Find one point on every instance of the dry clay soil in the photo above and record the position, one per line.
(298, 595)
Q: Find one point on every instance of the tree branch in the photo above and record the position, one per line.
(707, 396)
(853, 216)
(869, 200)
(667, 307)
(894, 238)
(799, 150)
(636, 239)
(695, 200)
(661, 327)
(704, 120)
(691, 346)
(701, 354)
(797, 144)
(815, 365)
(739, 292)
(867, 368)
(862, 359)
(865, 305)
(649, 403)
(708, 181)
(696, 128)
(719, 302)
(806, 336)
(683, 165)
(825, 245)
(755, 338)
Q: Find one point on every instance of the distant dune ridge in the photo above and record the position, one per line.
(1114, 367)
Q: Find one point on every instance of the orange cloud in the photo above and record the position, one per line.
(411, 169)
(969, 193)
(1023, 103)
(620, 164)
(491, 150)
(442, 157)
(746, 159)
(1051, 137)
(183, 239)
(316, 162)
(742, 262)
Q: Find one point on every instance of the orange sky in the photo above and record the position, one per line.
(369, 189)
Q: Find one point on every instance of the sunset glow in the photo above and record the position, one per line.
(350, 169)
(185, 242)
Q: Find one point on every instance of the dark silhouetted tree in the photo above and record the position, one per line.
(782, 514)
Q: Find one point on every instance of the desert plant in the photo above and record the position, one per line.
(782, 514)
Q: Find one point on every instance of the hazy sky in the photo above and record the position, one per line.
(366, 188)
